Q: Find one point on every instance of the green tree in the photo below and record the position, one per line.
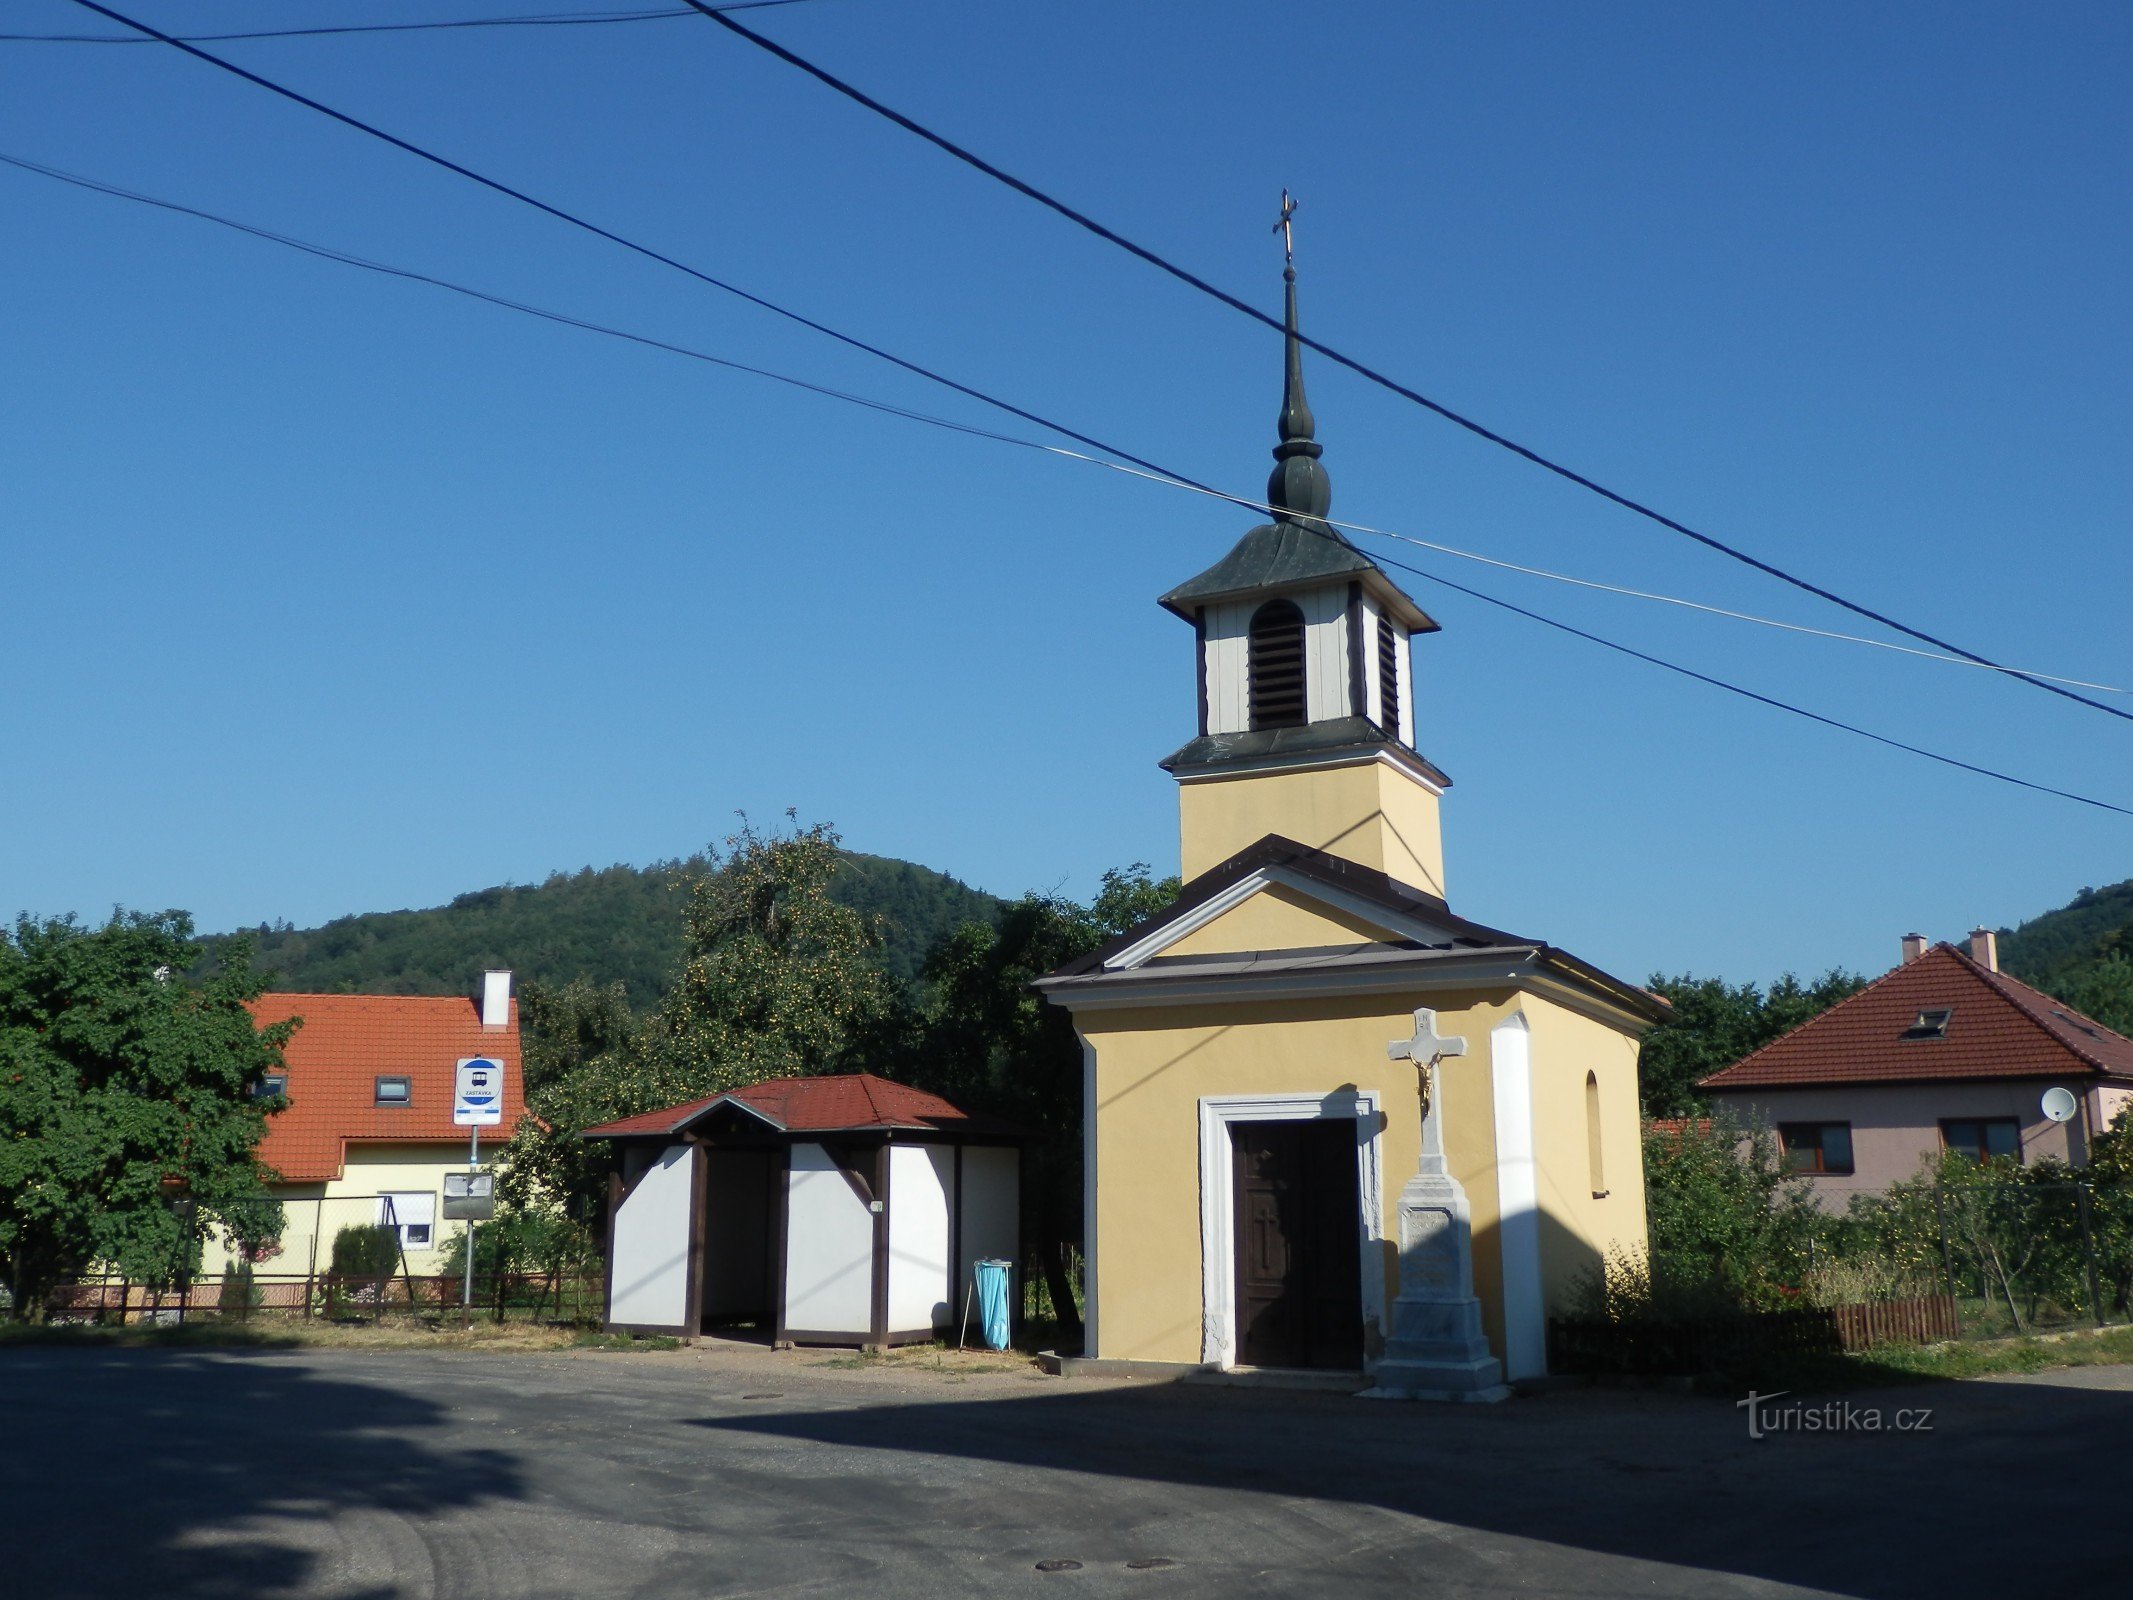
(564, 1026)
(127, 1121)
(993, 1044)
(1715, 1023)
(1729, 1225)
(777, 979)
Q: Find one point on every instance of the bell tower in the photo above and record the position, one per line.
(1306, 692)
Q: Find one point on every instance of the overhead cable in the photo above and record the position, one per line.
(597, 231)
(541, 19)
(1363, 369)
(1157, 475)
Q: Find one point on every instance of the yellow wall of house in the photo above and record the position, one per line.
(1367, 812)
(1152, 1067)
(318, 1211)
(1277, 918)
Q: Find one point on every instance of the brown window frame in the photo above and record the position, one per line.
(1819, 1149)
(1981, 1124)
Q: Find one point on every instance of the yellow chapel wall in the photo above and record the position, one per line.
(1152, 1067)
(1579, 1229)
(1277, 918)
(1368, 812)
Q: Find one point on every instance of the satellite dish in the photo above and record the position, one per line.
(2060, 1104)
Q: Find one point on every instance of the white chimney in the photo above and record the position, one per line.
(1985, 948)
(495, 999)
(1914, 946)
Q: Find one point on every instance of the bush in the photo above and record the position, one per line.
(1730, 1229)
(365, 1251)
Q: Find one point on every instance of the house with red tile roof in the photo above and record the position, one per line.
(1944, 1052)
(367, 1134)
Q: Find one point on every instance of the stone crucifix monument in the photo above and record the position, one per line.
(1435, 1350)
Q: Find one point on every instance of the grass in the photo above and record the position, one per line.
(937, 1357)
(392, 1333)
(1938, 1363)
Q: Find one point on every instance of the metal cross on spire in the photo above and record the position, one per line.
(1288, 238)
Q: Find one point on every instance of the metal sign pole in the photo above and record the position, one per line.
(466, 1299)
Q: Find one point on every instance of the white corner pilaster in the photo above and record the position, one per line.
(1525, 1312)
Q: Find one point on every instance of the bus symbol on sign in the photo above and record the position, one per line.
(478, 1093)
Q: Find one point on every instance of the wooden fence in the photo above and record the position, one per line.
(1595, 1345)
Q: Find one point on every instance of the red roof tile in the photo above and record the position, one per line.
(346, 1042)
(2000, 1029)
(849, 1102)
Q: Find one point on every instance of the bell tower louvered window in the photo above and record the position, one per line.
(1276, 666)
(1388, 678)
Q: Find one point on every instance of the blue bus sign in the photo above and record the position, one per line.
(478, 1093)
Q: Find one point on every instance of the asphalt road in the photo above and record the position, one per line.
(405, 1474)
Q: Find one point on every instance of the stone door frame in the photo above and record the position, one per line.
(1218, 1234)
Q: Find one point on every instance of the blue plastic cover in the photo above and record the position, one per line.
(993, 1276)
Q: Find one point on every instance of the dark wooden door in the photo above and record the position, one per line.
(1298, 1267)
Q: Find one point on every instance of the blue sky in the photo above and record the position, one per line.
(325, 593)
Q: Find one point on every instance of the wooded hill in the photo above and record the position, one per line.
(602, 924)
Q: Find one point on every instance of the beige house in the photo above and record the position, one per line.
(1944, 1052)
(1260, 1190)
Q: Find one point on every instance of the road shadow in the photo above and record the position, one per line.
(2001, 1491)
(208, 1473)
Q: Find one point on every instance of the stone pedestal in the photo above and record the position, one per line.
(1436, 1350)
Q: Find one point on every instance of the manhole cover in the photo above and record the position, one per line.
(762, 1397)
(1149, 1563)
(1058, 1565)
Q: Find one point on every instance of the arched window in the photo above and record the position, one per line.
(1388, 678)
(1275, 669)
(1594, 1160)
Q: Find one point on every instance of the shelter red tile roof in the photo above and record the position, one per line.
(1999, 1028)
(851, 1102)
(346, 1043)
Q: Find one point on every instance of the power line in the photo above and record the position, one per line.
(1763, 699)
(1154, 474)
(615, 238)
(550, 19)
(1169, 480)
(1362, 369)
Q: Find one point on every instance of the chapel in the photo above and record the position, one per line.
(1329, 1123)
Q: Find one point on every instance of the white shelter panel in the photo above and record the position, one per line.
(829, 1249)
(991, 1204)
(650, 1258)
(921, 1191)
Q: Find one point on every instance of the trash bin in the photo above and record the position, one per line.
(994, 1279)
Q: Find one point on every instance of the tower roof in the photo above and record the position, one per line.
(1299, 548)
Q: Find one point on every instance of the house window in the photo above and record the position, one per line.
(394, 1091)
(1931, 1024)
(1388, 678)
(272, 1086)
(1983, 1138)
(1816, 1146)
(1594, 1159)
(1274, 668)
(413, 1214)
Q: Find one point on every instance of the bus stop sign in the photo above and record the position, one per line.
(478, 1093)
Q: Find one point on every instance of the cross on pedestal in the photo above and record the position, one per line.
(1425, 1050)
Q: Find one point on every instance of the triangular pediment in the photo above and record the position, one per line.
(1276, 909)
